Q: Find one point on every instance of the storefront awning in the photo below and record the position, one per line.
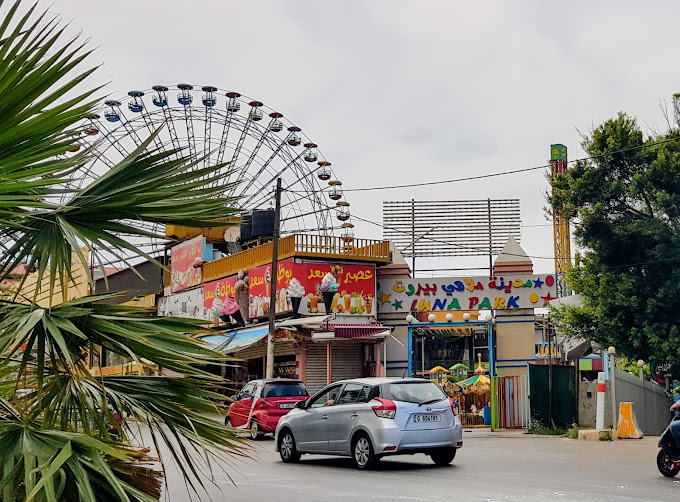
(357, 330)
(347, 331)
(312, 322)
(236, 339)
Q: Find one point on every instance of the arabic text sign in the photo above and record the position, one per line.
(355, 293)
(184, 257)
(261, 288)
(219, 289)
(466, 293)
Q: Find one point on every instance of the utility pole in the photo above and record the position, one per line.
(488, 205)
(413, 235)
(275, 274)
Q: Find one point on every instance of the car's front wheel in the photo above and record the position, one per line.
(362, 453)
(287, 450)
(443, 456)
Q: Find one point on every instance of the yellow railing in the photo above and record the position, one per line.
(301, 245)
(129, 368)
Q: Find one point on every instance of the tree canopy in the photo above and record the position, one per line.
(624, 203)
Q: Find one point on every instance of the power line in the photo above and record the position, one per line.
(502, 173)
(462, 246)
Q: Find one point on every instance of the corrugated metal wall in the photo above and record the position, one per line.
(347, 361)
(316, 367)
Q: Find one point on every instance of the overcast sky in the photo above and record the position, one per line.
(397, 92)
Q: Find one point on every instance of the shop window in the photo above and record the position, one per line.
(284, 367)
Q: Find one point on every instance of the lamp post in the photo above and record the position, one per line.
(612, 361)
(410, 319)
(641, 365)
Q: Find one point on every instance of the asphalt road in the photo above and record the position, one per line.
(492, 467)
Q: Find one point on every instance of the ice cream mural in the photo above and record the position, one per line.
(320, 288)
(224, 299)
(185, 267)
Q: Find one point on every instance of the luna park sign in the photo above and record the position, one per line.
(466, 293)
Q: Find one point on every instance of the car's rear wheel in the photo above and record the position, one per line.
(362, 452)
(287, 449)
(227, 422)
(443, 456)
(255, 431)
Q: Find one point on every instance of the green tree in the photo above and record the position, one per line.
(55, 438)
(625, 205)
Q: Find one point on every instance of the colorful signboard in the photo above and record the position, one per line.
(662, 371)
(261, 289)
(219, 289)
(558, 152)
(185, 266)
(354, 295)
(466, 293)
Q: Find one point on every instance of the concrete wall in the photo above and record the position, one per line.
(651, 403)
(184, 304)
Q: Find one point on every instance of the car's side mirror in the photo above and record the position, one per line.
(234, 397)
(301, 405)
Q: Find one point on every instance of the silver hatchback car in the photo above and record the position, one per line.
(369, 418)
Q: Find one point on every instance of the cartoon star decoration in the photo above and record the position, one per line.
(397, 304)
(547, 298)
(385, 298)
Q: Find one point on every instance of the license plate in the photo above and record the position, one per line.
(286, 406)
(426, 418)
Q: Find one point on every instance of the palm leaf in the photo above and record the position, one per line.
(144, 187)
(55, 416)
(56, 465)
(37, 127)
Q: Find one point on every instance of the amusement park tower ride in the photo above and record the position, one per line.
(561, 234)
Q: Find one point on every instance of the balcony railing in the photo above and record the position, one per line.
(300, 245)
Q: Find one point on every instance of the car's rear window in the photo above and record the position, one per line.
(416, 392)
(284, 389)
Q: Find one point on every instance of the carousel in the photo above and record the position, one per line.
(473, 394)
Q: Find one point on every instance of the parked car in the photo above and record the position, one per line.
(369, 418)
(261, 403)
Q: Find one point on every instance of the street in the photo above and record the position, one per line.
(492, 467)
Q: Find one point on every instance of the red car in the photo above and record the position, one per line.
(261, 403)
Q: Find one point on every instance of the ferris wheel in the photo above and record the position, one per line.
(213, 126)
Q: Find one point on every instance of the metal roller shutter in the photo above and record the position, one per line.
(316, 367)
(347, 361)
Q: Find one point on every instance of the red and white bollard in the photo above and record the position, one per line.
(601, 388)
